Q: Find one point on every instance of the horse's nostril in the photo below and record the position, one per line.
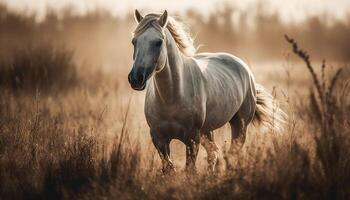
(140, 78)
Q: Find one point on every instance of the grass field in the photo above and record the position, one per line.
(94, 142)
(72, 128)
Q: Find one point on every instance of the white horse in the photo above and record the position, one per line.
(189, 95)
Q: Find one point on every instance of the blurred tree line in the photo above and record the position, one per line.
(104, 39)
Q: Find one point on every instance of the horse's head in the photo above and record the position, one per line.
(149, 48)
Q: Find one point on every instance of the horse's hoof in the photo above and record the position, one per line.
(192, 171)
(169, 171)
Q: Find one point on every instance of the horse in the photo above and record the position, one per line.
(190, 94)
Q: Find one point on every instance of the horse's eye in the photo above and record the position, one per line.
(158, 43)
(133, 41)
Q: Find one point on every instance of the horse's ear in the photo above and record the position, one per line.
(138, 16)
(163, 20)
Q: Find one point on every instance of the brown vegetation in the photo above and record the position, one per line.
(41, 67)
(67, 133)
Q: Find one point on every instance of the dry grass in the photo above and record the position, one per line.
(329, 114)
(68, 132)
(93, 145)
(38, 67)
(51, 152)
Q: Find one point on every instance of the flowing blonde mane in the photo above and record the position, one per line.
(183, 40)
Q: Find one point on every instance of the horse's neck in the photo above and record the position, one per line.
(168, 82)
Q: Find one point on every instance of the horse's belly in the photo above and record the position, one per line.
(223, 101)
(219, 114)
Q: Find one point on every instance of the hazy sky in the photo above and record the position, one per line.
(289, 10)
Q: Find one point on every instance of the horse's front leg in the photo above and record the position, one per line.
(163, 147)
(192, 147)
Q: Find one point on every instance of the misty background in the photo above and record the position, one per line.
(99, 36)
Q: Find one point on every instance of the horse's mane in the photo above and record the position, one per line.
(182, 38)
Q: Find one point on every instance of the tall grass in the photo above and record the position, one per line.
(330, 113)
(80, 144)
(44, 156)
(38, 67)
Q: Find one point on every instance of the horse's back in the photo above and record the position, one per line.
(228, 83)
(220, 62)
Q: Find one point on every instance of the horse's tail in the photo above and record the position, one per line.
(267, 110)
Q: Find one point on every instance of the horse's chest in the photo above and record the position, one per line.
(179, 116)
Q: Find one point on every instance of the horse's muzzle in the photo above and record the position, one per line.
(137, 82)
(138, 88)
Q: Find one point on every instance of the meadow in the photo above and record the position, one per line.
(72, 128)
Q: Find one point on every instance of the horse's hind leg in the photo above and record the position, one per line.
(238, 133)
(239, 123)
(207, 141)
(192, 146)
